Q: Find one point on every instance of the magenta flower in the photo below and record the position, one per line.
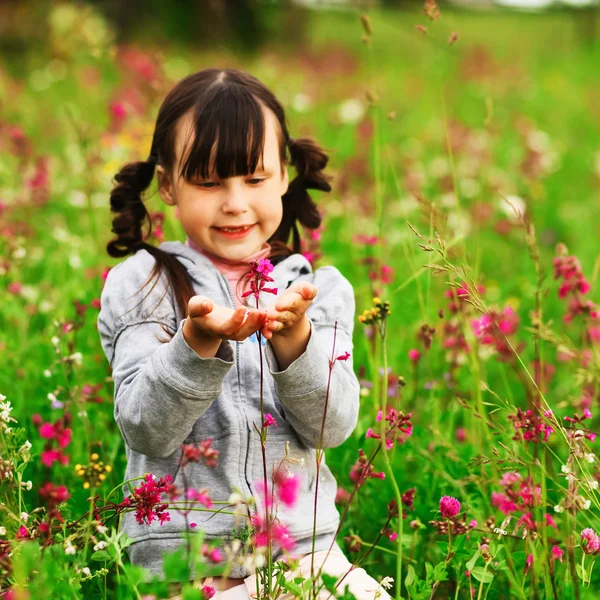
(286, 487)
(260, 275)
(147, 500)
(557, 553)
(280, 536)
(207, 592)
(269, 421)
(200, 496)
(449, 507)
(414, 355)
(54, 494)
(590, 542)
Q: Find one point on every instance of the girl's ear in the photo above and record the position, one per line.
(165, 186)
(285, 182)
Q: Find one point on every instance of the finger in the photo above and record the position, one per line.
(200, 306)
(256, 319)
(296, 296)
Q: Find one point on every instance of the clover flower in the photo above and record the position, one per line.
(449, 507)
(590, 542)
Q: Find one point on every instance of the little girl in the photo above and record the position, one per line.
(220, 150)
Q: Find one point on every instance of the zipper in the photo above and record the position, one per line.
(237, 344)
(237, 352)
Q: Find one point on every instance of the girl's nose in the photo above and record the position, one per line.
(236, 202)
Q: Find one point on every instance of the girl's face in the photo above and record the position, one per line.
(206, 205)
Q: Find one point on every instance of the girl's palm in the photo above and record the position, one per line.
(223, 322)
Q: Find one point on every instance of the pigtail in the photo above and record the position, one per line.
(309, 159)
(126, 201)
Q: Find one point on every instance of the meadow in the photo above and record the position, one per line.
(466, 196)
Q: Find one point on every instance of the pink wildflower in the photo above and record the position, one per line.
(147, 500)
(208, 592)
(590, 542)
(286, 487)
(557, 553)
(449, 507)
(414, 355)
(269, 421)
(260, 275)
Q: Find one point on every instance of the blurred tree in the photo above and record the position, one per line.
(242, 26)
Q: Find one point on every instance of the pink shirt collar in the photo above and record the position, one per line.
(233, 269)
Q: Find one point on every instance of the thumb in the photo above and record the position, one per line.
(308, 291)
(200, 305)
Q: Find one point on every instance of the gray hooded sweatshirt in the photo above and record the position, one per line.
(165, 395)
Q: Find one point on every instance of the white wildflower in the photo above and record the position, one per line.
(55, 340)
(52, 397)
(2, 530)
(101, 528)
(27, 485)
(100, 546)
(24, 517)
(559, 509)
(593, 484)
(77, 358)
(86, 571)
(591, 457)
(564, 469)
(69, 548)
(47, 373)
(387, 582)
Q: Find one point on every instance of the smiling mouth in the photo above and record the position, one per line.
(235, 229)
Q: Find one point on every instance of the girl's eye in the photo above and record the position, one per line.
(255, 181)
(208, 185)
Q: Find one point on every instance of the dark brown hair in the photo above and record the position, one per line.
(227, 106)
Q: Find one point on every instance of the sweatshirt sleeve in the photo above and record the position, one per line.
(302, 387)
(161, 389)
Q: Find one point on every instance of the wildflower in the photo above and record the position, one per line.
(399, 429)
(86, 571)
(100, 546)
(69, 547)
(530, 427)
(528, 563)
(2, 530)
(207, 592)
(260, 275)
(557, 553)
(200, 496)
(449, 507)
(94, 473)
(54, 494)
(414, 356)
(363, 469)
(342, 496)
(279, 534)
(269, 421)
(377, 314)
(147, 500)
(590, 542)
(286, 487)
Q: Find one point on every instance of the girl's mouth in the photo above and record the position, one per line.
(235, 233)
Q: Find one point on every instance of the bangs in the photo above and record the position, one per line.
(231, 119)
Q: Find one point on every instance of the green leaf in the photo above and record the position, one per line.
(294, 588)
(472, 562)
(101, 555)
(482, 575)
(410, 576)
